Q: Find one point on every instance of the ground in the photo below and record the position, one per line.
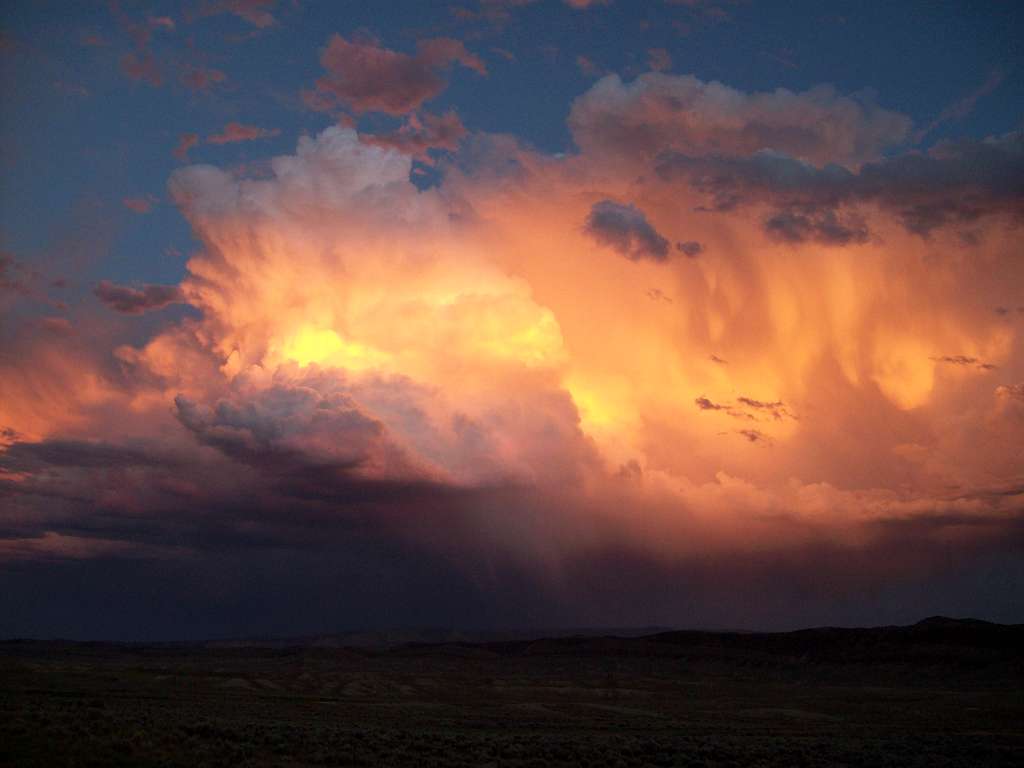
(925, 696)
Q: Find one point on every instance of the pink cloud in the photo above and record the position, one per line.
(587, 66)
(658, 112)
(201, 78)
(58, 325)
(185, 142)
(255, 12)
(92, 39)
(962, 107)
(367, 77)
(165, 23)
(239, 132)
(138, 204)
(142, 66)
(658, 59)
(418, 134)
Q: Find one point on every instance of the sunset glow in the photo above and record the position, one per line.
(734, 337)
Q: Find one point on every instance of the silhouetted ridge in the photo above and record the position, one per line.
(946, 621)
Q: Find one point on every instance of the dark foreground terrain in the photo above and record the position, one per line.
(939, 693)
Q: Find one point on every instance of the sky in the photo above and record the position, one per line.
(509, 314)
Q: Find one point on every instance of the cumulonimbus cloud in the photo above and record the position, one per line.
(454, 373)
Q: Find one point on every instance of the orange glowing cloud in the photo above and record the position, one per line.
(717, 328)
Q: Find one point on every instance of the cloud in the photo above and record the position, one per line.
(138, 204)
(954, 184)
(58, 325)
(965, 360)
(202, 79)
(690, 248)
(1010, 392)
(258, 13)
(420, 133)
(658, 59)
(799, 224)
(142, 67)
(497, 13)
(92, 39)
(777, 409)
(445, 390)
(964, 106)
(707, 405)
(366, 77)
(745, 408)
(587, 66)
(15, 277)
(135, 301)
(289, 425)
(235, 132)
(81, 454)
(185, 142)
(625, 229)
(753, 435)
(679, 113)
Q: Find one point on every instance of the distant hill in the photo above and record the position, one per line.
(936, 640)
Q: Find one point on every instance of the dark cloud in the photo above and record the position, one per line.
(954, 184)
(690, 248)
(30, 457)
(169, 496)
(366, 77)
(135, 301)
(707, 405)
(746, 407)
(798, 225)
(287, 426)
(964, 360)
(777, 409)
(626, 229)
(236, 549)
